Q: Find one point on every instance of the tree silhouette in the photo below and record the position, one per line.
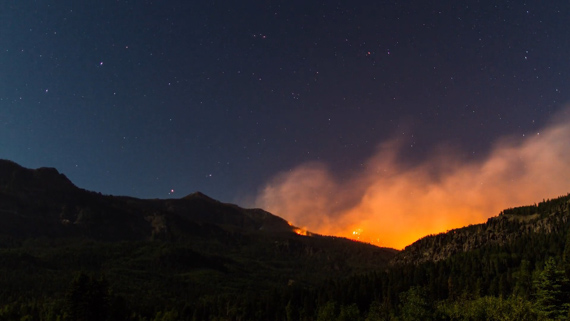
(87, 299)
(552, 299)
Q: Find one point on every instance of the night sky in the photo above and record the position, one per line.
(158, 99)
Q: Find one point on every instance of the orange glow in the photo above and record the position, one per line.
(299, 231)
(356, 234)
(389, 203)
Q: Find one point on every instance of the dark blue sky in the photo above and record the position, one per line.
(141, 97)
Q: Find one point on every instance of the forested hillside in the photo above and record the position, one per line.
(514, 267)
(509, 227)
(70, 254)
(66, 253)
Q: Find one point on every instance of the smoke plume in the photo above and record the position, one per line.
(391, 204)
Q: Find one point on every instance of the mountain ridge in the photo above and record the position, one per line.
(27, 192)
(42, 204)
(196, 258)
(545, 217)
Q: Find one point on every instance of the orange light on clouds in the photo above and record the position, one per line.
(392, 205)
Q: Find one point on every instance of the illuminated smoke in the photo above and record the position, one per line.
(393, 205)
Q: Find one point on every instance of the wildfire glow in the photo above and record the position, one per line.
(356, 234)
(300, 231)
(392, 204)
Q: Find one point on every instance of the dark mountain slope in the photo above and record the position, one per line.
(177, 249)
(513, 267)
(199, 259)
(510, 226)
(43, 202)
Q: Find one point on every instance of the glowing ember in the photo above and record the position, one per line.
(299, 231)
(356, 234)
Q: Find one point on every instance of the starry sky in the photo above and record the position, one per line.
(158, 99)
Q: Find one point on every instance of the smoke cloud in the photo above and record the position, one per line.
(391, 204)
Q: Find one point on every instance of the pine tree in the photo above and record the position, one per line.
(349, 313)
(327, 312)
(566, 255)
(552, 299)
(523, 283)
(87, 299)
(415, 305)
